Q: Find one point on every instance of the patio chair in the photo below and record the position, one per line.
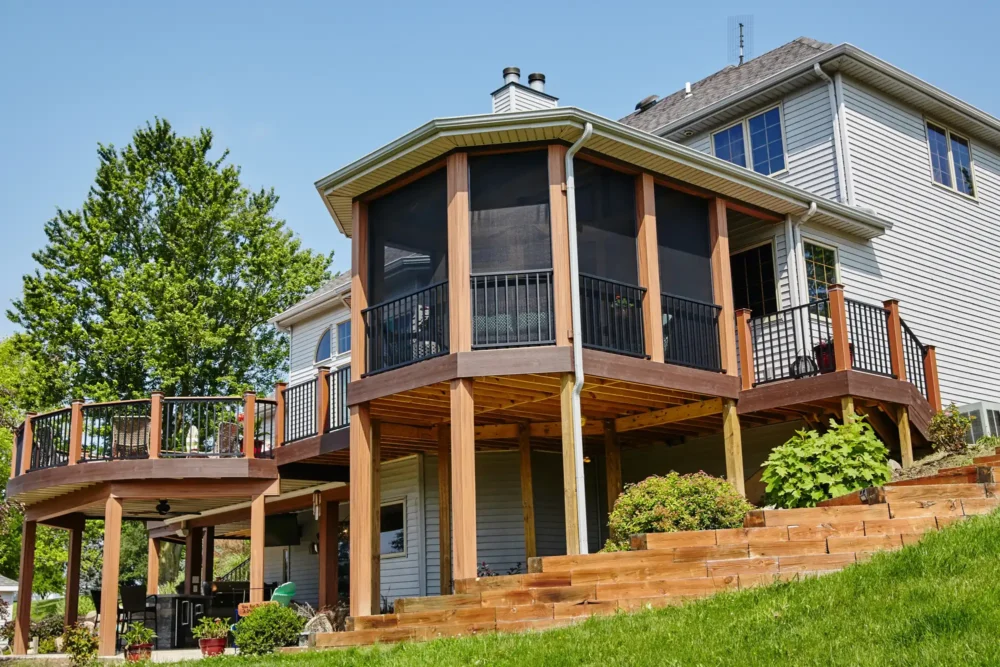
(229, 438)
(283, 594)
(129, 437)
(136, 605)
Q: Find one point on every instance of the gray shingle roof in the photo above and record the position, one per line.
(724, 83)
(7, 583)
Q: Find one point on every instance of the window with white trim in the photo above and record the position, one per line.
(821, 269)
(762, 133)
(343, 337)
(951, 159)
(392, 526)
(753, 280)
(323, 348)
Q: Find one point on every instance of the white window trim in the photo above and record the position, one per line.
(335, 327)
(825, 246)
(773, 242)
(406, 537)
(951, 159)
(748, 147)
(336, 354)
(324, 362)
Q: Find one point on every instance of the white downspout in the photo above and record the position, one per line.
(800, 253)
(791, 262)
(574, 287)
(838, 148)
(838, 84)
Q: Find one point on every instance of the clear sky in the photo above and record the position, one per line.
(296, 90)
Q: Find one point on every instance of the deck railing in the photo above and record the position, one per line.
(202, 427)
(300, 411)
(792, 343)
(407, 329)
(240, 572)
(868, 333)
(914, 353)
(265, 427)
(118, 430)
(691, 333)
(50, 439)
(512, 309)
(340, 413)
(611, 316)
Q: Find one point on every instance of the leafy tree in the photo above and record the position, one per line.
(163, 279)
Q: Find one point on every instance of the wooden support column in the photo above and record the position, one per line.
(25, 580)
(323, 400)
(931, 378)
(192, 561)
(208, 555)
(376, 530)
(359, 302)
(847, 412)
(75, 433)
(649, 265)
(153, 567)
(838, 323)
(612, 462)
(26, 443)
(558, 217)
(257, 513)
(905, 443)
(734, 445)
(527, 490)
(155, 420)
(463, 478)
(722, 283)
(279, 414)
(72, 599)
(107, 634)
(361, 507)
(569, 465)
(894, 325)
(745, 345)
(459, 254)
(249, 420)
(329, 553)
(444, 506)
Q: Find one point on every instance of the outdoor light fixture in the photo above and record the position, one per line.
(317, 498)
(163, 507)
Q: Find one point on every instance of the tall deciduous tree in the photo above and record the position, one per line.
(164, 279)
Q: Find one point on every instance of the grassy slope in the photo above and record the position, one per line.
(934, 603)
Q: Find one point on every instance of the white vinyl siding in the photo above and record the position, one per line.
(304, 337)
(303, 565)
(401, 574)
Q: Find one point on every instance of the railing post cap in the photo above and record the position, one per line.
(836, 287)
(77, 400)
(743, 311)
(156, 392)
(890, 302)
(250, 392)
(930, 347)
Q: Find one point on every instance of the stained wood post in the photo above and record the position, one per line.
(444, 506)
(745, 343)
(75, 433)
(931, 377)
(459, 254)
(569, 465)
(722, 282)
(257, 517)
(376, 528)
(192, 561)
(847, 412)
(208, 555)
(108, 637)
(359, 295)
(329, 553)
(612, 462)
(155, 424)
(838, 324)
(463, 478)
(894, 325)
(361, 509)
(734, 445)
(323, 400)
(153, 567)
(558, 216)
(72, 599)
(279, 414)
(649, 265)
(26, 442)
(249, 421)
(527, 490)
(905, 442)
(25, 581)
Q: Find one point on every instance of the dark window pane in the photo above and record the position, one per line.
(939, 154)
(753, 280)
(605, 222)
(323, 349)
(392, 526)
(766, 142)
(729, 145)
(343, 337)
(509, 199)
(963, 164)
(684, 245)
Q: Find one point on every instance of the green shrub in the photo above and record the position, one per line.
(137, 634)
(988, 442)
(672, 503)
(49, 627)
(948, 429)
(210, 628)
(47, 645)
(811, 467)
(80, 644)
(266, 628)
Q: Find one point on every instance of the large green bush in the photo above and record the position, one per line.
(672, 503)
(267, 628)
(80, 643)
(811, 467)
(948, 429)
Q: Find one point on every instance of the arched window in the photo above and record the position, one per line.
(323, 349)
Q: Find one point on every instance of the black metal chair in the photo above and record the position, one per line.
(136, 605)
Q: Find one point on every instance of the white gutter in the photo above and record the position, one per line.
(574, 291)
(838, 84)
(837, 146)
(800, 255)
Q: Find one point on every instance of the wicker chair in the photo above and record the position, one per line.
(129, 437)
(229, 438)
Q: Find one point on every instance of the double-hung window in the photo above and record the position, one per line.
(344, 337)
(762, 133)
(951, 159)
(821, 269)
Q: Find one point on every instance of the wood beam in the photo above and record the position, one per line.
(359, 291)
(76, 433)
(323, 399)
(279, 413)
(931, 378)
(463, 479)
(649, 265)
(744, 342)
(677, 413)
(329, 552)
(27, 438)
(527, 492)
(444, 507)
(155, 417)
(208, 555)
(894, 327)
(612, 463)
(25, 581)
(153, 567)
(73, 556)
(905, 441)
(376, 529)
(361, 508)
(192, 561)
(459, 253)
(838, 322)
(569, 465)
(734, 446)
(249, 419)
(722, 284)
(847, 412)
(70, 502)
(558, 217)
(257, 519)
(107, 634)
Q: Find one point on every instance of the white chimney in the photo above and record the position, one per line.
(687, 89)
(514, 96)
(512, 75)
(537, 81)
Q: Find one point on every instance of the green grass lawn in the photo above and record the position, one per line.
(936, 603)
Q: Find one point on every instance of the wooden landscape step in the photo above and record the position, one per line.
(939, 492)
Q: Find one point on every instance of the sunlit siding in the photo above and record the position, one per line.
(304, 565)
(401, 574)
(305, 336)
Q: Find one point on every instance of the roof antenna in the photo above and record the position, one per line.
(740, 38)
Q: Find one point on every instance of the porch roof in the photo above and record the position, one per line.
(610, 138)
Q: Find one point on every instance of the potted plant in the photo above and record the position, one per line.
(211, 634)
(138, 640)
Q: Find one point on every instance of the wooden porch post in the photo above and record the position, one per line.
(722, 282)
(734, 445)
(376, 525)
(931, 378)
(153, 567)
(895, 329)
(257, 513)
(361, 506)
(208, 556)
(569, 465)
(75, 433)
(612, 462)
(459, 254)
(527, 490)
(838, 323)
(329, 553)
(279, 414)
(323, 400)
(847, 412)
(649, 265)
(25, 580)
(359, 298)
(444, 506)
(108, 635)
(192, 561)
(745, 343)
(905, 443)
(558, 216)
(26, 443)
(249, 430)
(72, 599)
(155, 424)
(463, 478)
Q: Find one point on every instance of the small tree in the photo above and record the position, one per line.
(948, 429)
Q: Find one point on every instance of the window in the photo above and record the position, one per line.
(753, 280)
(951, 159)
(605, 223)
(323, 349)
(821, 270)
(392, 523)
(685, 247)
(343, 337)
(767, 148)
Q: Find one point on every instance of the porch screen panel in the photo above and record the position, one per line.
(605, 222)
(685, 245)
(408, 238)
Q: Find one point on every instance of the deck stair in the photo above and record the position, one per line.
(669, 568)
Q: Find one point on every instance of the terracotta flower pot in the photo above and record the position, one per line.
(138, 652)
(210, 647)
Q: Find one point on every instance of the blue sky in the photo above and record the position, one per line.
(298, 89)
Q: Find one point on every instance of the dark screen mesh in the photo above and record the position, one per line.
(605, 222)
(684, 245)
(408, 232)
(509, 198)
